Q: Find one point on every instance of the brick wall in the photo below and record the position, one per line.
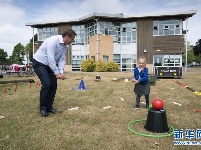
(105, 46)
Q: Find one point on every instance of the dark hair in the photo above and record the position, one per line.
(69, 32)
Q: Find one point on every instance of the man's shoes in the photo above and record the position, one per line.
(44, 113)
(52, 110)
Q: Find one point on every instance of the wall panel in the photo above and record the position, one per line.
(145, 38)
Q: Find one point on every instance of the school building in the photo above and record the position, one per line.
(160, 38)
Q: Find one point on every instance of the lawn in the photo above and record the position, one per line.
(91, 126)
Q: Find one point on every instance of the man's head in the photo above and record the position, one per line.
(68, 36)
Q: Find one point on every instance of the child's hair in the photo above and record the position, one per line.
(143, 58)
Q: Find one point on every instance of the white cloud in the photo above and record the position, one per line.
(74, 9)
(10, 13)
(103, 6)
(12, 28)
(12, 35)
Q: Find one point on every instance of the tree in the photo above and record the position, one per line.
(190, 56)
(197, 47)
(29, 47)
(3, 57)
(18, 54)
(197, 51)
(198, 58)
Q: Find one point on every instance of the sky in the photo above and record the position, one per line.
(15, 13)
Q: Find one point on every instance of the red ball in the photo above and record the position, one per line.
(157, 104)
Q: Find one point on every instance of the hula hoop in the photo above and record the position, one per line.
(149, 135)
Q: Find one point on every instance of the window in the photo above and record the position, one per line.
(79, 39)
(167, 27)
(155, 27)
(177, 26)
(116, 58)
(90, 30)
(105, 58)
(128, 31)
(128, 62)
(76, 61)
(158, 60)
(82, 57)
(93, 57)
(44, 33)
(168, 60)
(108, 28)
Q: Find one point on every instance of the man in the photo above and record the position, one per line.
(48, 64)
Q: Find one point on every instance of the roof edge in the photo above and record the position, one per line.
(188, 14)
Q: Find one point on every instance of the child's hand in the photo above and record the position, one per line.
(135, 81)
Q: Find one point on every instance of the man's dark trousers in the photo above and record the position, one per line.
(49, 84)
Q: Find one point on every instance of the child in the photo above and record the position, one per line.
(141, 81)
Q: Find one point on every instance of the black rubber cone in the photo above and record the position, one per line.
(156, 121)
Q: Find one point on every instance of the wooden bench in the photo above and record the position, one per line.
(9, 72)
(24, 73)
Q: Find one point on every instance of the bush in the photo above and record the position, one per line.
(112, 67)
(101, 66)
(88, 65)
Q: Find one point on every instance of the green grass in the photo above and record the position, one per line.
(91, 127)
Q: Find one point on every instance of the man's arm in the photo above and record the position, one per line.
(62, 61)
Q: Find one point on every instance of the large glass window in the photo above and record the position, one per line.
(84, 32)
(117, 58)
(167, 27)
(168, 60)
(117, 33)
(76, 61)
(172, 60)
(79, 39)
(128, 31)
(128, 62)
(44, 33)
(106, 28)
(90, 29)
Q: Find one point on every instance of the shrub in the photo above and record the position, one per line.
(112, 67)
(88, 65)
(101, 66)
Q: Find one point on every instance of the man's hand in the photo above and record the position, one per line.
(60, 76)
